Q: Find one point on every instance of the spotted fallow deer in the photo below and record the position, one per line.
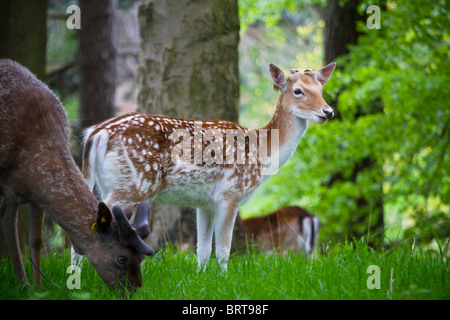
(212, 165)
(36, 166)
(290, 227)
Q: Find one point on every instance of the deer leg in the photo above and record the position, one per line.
(75, 258)
(225, 218)
(9, 214)
(205, 219)
(36, 227)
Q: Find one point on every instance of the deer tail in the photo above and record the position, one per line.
(89, 158)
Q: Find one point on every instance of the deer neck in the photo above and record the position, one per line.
(290, 130)
(65, 195)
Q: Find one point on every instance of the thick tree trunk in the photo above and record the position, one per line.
(97, 60)
(340, 28)
(23, 33)
(97, 67)
(23, 38)
(188, 68)
(189, 59)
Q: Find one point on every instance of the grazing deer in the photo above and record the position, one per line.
(287, 228)
(136, 157)
(36, 166)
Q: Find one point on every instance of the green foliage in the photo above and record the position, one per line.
(62, 42)
(297, 35)
(71, 106)
(393, 100)
(268, 11)
(252, 11)
(396, 77)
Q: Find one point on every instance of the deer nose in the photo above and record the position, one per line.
(328, 113)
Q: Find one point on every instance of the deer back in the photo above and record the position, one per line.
(34, 124)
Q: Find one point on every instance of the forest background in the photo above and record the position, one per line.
(379, 170)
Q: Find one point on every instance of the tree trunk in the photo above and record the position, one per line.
(340, 28)
(188, 68)
(23, 38)
(97, 63)
(339, 32)
(189, 59)
(23, 33)
(97, 54)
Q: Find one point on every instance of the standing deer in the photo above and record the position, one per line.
(36, 166)
(287, 228)
(138, 157)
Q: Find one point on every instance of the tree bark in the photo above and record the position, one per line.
(23, 38)
(97, 60)
(340, 28)
(97, 67)
(188, 68)
(23, 33)
(188, 59)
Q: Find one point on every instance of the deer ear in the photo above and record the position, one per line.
(278, 77)
(324, 74)
(104, 217)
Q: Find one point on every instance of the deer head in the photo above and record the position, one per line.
(118, 253)
(302, 92)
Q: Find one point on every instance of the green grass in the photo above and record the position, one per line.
(341, 274)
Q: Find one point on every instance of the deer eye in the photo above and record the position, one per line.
(122, 260)
(298, 92)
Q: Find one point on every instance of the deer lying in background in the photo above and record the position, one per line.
(138, 157)
(36, 166)
(287, 228)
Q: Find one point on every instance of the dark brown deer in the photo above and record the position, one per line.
(287, 228)
(36, 166)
